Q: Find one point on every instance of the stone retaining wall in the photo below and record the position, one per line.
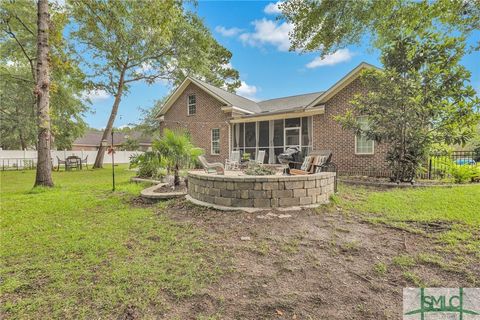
(261, 191)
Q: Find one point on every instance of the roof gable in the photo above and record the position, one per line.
(244, 106)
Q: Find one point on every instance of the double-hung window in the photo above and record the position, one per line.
(192, 105)
(363, 145)
(215, 147)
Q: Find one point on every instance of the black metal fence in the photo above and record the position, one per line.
(437, 166)
(439, 163)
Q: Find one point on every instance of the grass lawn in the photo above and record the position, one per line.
(452, 215)
(80, 251)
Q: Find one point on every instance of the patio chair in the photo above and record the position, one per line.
(234, 161)
(260, 157)
(84, 162)
(61, 162)
(215, 167)
(315, 162)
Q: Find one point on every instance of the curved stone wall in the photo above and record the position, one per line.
(261, 191)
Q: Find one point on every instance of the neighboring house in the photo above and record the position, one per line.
(220, 121)
(91, 140)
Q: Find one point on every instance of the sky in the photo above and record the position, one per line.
(259, 43)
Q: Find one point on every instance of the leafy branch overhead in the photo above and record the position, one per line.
(123, 42)
(329, 25)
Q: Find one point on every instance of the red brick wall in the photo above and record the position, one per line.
(209, 115)
(328, 134)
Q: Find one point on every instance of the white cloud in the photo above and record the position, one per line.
(96, 95)
(269, 32)
(273, 8)
(247, 91)
(339, 56)
(228, 32)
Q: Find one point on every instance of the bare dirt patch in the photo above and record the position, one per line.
(315, 264)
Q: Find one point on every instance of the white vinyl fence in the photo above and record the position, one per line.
(27, 159)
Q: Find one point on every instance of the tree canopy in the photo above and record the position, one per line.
(329, 25)
(125, 41)
(418, 100)
(18, 46)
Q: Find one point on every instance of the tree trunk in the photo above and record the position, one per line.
(108, 129)
(176, 177)
(44, 164)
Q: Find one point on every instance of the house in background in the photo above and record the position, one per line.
(91, 140)
(220, 121)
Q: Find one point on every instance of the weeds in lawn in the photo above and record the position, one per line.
(404, 261)
(414, 278)
(380, 268)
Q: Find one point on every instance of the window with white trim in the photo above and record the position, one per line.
(363, 145)
(215, 141)
(192, 104)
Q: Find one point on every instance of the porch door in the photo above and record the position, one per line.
(292, 137)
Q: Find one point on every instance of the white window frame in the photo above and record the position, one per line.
(191, 104)
(211, 142)
(356, 144)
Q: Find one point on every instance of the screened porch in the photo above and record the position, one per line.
(273, 136)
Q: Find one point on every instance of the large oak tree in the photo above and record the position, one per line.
(126, 41)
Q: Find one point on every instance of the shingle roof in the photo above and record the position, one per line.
(287, 103)
(93, 138)
(271, 105)
(233, 99)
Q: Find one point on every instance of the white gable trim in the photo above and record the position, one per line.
(342, 83)
(181, 88)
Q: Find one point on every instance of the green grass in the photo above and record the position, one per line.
(80, 250)
(457, 209)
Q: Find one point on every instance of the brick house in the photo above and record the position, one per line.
(92, 138)
(220, 121)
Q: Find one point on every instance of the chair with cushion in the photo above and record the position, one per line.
(315, 162)
(234, 161)
(215, 167)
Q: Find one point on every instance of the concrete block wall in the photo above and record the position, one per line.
(261, 191)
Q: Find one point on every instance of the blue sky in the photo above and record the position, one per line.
(259, 43)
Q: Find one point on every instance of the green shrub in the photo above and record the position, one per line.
(149, 164)
(460, 173)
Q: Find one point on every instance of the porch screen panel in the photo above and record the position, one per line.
(292, 123)
(306, 135)
(250, 139)
(264, 138)
(278, 138)
(242, 136)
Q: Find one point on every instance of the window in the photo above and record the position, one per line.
(192, 105)
(363, 145)
(215, 141)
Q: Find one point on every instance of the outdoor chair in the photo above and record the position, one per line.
(61, 162)
(315, 162)
(260, 157)
(234, 161)
(84, 162)
(215, 167)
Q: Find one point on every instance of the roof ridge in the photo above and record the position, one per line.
(222, 89)
(295, 95)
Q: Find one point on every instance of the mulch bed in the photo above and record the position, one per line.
(168, 188)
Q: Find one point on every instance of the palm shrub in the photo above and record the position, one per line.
(177, 150)
(149, 164)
